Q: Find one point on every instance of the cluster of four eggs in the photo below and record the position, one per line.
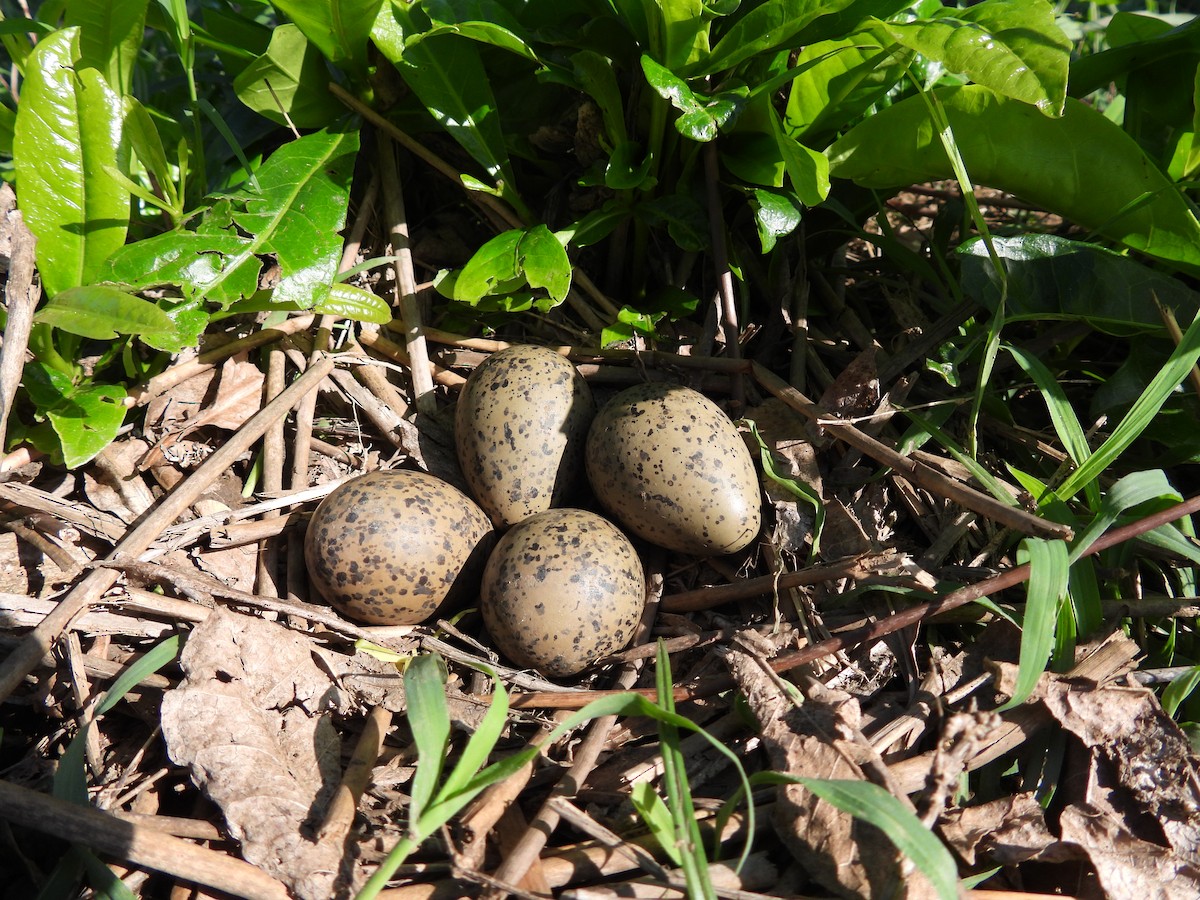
(562, 586)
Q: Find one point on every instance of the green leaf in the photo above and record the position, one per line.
(873, 804)
(291, 77)
(657, 817)
(1013, 47)
(594, 74)
(1052, 277)
(351, 302)
(146, 144)
(483, 741)
(295, 214)
(102, 312)
(1141, 415)
(1080, 165)
(1096, 70)
(846, 76)
(111, 33)
(429, 720)
(512, 259)
(1048, 576)
(798, 489)
(700, 117)
(1180, 689)
(67, 137)
(807, 169)
(776, 215)
(188, 319)
(447, 76)
(1130, 491)
(545, 263)
(339, 28)
(765, 27)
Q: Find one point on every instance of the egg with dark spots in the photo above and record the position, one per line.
(397, 547)
(670, 466)
(562, 589)
(520, 427)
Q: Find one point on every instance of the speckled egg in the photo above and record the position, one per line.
(562, 589)
(396, 547)
(669, 465)
(520, 426)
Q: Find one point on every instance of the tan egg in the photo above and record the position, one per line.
(520, 427)
(670, 466)
(396, 547)
(562, 589)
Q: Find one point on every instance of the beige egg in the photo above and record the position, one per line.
(520, 427)
(396, 547)
(562, 589)
(670, 466)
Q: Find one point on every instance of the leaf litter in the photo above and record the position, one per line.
(272, 694)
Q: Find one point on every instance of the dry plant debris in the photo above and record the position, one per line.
(274, 757)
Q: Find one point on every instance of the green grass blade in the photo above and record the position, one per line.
(1141, 414)
(425, 696)
(1132, 490)
(1180, 689)
(657, 817)
(798, 488)
(483, 741)
(873, 804)
(1048, 576)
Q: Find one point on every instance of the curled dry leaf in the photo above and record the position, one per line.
(251, 722)
(813, 739)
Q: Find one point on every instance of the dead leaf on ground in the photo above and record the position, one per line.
(251, 721)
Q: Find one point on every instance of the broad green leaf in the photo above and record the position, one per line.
(1141, 414)
(545, 263)
(848, 75)
(85, 418)
(765, 27)
(188, 318)
(68, 136)
(339, 28)
(101, 312)
(700, 117)
(871, 803)
(1080, 165)
(1052, 277)
(290, 78)
(1096, 70)
(295, 214)
(1013, 47)
(775, 215)
(351, 302)
(807, 169)
(429, 720)
(447, 76)
(594, 74)
(487, 33)
(1048, 576)
(111, 33)
(657, 817)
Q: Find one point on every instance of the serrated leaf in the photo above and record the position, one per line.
(67, 138)
(351, 302)
(1013, 47)
(290, 77)
(101, 312)
(1081, 165)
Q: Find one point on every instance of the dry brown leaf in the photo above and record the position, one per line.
(1136, 748)
(251, 722)
(1010, 829)
(845, 855)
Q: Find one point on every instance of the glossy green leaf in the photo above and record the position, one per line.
(700, 117)
(512, 259)
(807, 169)
(765, 27)
(352, 302)
(594, 74)
(1081, 165)
(775, 215)
(339, 28)
(448, 77)
(290, 78)
(1094, 71)
(188, 319)
(847, 76)
(871, 803)
(1052, 277)
(1013, 47)
(296, 214)
(68, 137)
(101, 312)
(1047, 586)
(85, 418)
(110, 36)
